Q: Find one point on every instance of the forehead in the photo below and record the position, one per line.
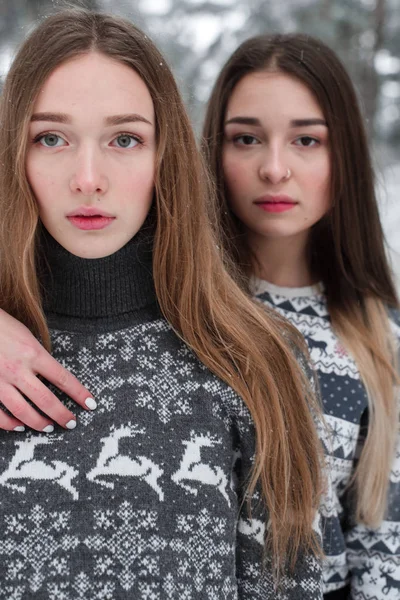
(275, 92)
(94, 81)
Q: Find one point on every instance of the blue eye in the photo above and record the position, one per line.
(125, 140)
(51, 140)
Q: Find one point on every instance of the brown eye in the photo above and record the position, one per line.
(307, 141)
(246, 140)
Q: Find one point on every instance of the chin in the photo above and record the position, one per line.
(90, 250)
(277, 233)
(92, 254)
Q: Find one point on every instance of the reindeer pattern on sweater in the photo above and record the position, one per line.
(144, 498)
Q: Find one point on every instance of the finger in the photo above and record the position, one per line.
(50, 369)
(23, 411)
(10, 423)
(40, 395)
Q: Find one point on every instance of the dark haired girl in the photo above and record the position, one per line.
(286, 145)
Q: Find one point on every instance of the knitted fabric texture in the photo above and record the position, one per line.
(143, 500)
(368, 558)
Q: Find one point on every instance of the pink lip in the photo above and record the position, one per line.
(275, 204)
(90, 223)
(88, 211)
(89, 218)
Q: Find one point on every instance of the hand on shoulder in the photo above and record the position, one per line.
(22, 358)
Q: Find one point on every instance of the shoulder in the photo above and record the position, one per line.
(225, 402)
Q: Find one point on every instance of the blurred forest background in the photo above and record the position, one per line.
(197, 36)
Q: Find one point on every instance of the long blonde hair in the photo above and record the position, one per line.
(346, 247)
(230, 334)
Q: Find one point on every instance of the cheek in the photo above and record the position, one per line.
(318, 186)
(136, 192)
(37, 183)
(138, 180)
(32, 172)
(40, 180)
(44, 191)
(323, 187)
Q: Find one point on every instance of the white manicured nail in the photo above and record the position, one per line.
(90, 403)
(71, 424)
(48, 429)
(19, 428)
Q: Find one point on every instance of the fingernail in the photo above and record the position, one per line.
(48, 429)
(19, 428)
(71, 424)
(90, 403)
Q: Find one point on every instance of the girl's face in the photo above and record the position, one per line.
(91, 154)
(276, 156)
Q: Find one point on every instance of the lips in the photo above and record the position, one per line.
(90, 223)
(275, 204)
(88, 218)
(89, 211)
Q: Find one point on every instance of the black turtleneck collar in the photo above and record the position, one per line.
(110, 288)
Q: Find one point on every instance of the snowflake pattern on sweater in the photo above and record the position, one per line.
(142, 500)
(368, 558)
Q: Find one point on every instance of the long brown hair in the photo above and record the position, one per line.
(230, 334)
(346, 248)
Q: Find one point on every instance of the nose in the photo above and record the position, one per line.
(89, 177)
(274, 167)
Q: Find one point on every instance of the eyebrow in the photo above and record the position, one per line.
(130, 118)
(53, 117)
(244, 121)
(114, 120)
(257, 123)
(307, 122)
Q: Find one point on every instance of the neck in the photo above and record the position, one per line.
(282, 261)
(96, 288)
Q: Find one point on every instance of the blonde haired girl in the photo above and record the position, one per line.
(203, 413)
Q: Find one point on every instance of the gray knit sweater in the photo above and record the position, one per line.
(143, 499)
